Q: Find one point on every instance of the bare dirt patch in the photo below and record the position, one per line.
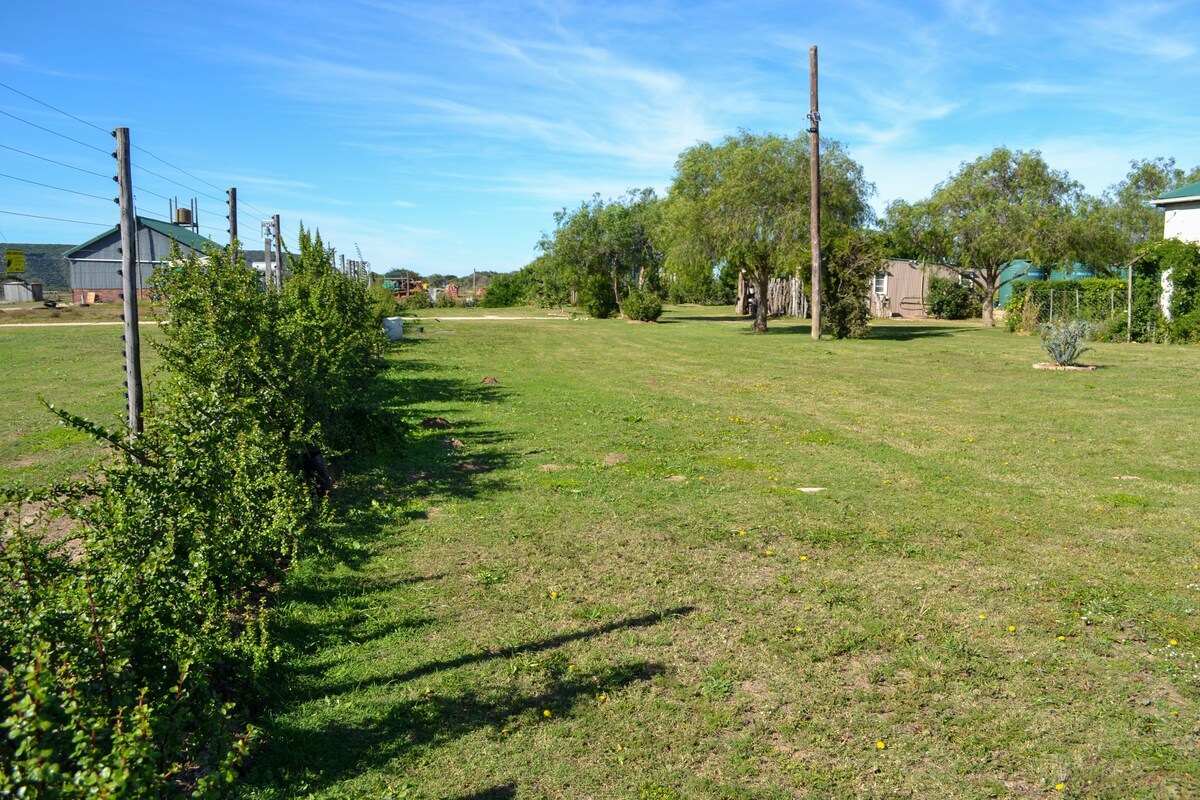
(554, 467)
(615, 458)
(435, 423)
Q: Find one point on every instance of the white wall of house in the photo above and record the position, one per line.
(1182, 221)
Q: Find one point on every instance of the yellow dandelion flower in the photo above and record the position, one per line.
(504, 730)
(804, 558)
(1174, 713)
(741, 533)
(1058, 787)
(1062, 638)
(881, 745)
(983, 616)
(1012, 627)
(768, 552)
(570, 666)
(547, 713)
(799, 629)
(1174, 642)
(603, 697)
(554, 595)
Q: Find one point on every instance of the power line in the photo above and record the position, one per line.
(48, 186)
(52, 108)
(56, 219)
(56, 133)
(52, 161)
(177, 183)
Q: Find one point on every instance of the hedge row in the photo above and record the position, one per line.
(130, 648)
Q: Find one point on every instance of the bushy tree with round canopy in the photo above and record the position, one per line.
(745, 202)
(1004, 206)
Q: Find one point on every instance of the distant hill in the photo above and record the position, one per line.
(45, 263)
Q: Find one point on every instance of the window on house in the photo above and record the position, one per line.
(880, 283)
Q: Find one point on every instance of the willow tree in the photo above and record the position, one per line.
(745, 201)
(1004, 206)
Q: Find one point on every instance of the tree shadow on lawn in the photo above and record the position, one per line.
(895, 333)
(376, 729)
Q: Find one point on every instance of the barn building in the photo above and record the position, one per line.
(96, 264)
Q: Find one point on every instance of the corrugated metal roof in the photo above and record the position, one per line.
(185, 236)
(1190, 190)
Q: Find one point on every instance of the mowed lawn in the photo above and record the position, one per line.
(993, 595)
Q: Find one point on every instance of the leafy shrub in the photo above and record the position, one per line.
(416, 302)
(506, 291)
(445, 301)
(596, 296)
(1185, 329)
(124, 654)
(947, 299)
(642, 306)
(1064, 340)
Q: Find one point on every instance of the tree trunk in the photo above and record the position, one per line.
(762, 283)
(617, 293)
(989, 292)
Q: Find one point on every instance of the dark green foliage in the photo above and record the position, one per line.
(851, 264)
(642, 306)
(948, 299)
(1185, 329)
(507, 290)
(445, 301)
(596, 296)
(128, 648)
(416, 302)
(609, 240)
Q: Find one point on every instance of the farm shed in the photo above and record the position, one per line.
(900, 289)
(96, 263)
(1182, 213)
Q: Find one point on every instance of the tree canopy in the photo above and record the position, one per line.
(1004, 206)
(602, 250)
(745, 202)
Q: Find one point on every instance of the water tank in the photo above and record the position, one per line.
(183, 216)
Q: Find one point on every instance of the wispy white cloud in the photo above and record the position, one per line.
(1158, 31)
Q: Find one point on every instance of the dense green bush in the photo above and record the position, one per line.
(126, 647)
(948, 299)
(1185, 329)
(642, 306)
(507, 290)
(416, 302)
(445, 301)
(596, 296)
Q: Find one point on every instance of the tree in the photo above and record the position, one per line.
(1004, 206)
(744, 202)
(604, 246)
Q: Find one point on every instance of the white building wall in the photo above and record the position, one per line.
(1182, 221)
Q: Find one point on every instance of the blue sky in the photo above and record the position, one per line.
(443, 136)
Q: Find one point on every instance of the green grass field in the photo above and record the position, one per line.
(992, 595)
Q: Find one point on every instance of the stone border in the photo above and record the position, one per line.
(1067, 367)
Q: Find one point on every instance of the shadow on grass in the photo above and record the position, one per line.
(505, 792)
(375, 725)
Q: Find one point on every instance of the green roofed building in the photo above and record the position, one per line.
(96, 264)
(1182, 213)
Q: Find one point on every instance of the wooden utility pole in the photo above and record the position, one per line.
(278, 252)
(129, 284)
(232, 192)
(814, 198)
